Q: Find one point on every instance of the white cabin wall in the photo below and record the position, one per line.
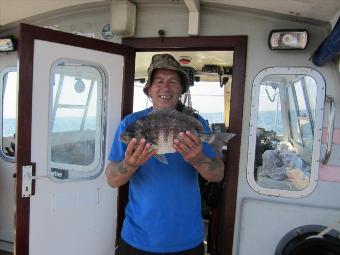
(9, 9)
(214, 22)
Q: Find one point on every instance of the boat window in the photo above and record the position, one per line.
(8, 86)
(285, 131)
(76, 120)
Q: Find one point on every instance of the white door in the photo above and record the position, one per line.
(76, 106)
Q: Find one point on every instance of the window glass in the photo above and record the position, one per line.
(282, 131)
(305, 118)
(208, 99)
(269, 110)
(293, 116)
(311, 90)
(8, 83)
(76, 120)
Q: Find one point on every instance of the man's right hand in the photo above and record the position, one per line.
(136, 154)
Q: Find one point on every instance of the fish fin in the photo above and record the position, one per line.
(162, 158)
(171, 113)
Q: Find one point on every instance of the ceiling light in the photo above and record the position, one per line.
(288, 39)
(7, 44)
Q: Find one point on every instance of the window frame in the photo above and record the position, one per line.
(97, 165)
(294, 86)
(3, 72)
(319, 109)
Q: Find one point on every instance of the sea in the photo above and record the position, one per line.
(60, 125)
(266, 120)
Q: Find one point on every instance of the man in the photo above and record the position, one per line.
(163, 214)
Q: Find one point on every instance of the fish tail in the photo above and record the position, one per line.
(217, 140)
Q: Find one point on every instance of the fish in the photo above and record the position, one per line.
(161, 127)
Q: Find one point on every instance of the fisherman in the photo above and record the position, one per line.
(163, 214)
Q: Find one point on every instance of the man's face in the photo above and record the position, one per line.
(165, 89)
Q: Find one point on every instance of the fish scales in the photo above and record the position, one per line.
(161, 127)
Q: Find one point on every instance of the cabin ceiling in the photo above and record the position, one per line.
(197, 59)
(326, 10)
(323, 10)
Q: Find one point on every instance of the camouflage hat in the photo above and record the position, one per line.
(166, 61)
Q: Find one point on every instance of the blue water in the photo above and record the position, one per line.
(8, 126)
(60, 125)
(265, 120)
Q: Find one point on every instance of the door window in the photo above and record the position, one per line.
(76, 120)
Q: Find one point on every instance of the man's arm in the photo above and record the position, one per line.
(210, 169)
(191, 148)
(119, 173)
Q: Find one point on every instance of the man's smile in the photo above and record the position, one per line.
(165, 96)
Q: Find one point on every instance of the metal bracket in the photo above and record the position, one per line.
(331, 120)
(27, 178)
(26, 182)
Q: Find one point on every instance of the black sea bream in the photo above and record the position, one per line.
(161, 127)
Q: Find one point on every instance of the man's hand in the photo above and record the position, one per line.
(138, 153)
(191, 148)
(119, 173)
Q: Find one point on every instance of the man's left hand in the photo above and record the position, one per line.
(189, 146)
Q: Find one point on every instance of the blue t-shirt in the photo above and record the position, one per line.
(163, 213)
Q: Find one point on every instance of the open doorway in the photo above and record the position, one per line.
(210, 78)
(8, 102)
(224, 214)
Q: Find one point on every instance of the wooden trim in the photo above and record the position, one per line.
(39, 33)
(27, 35)
(233, 154)
(186, 43)
(127, 107)
(23, 153)
(238, 44)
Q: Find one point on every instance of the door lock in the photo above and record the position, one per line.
(27, 178)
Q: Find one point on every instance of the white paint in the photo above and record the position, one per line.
(77, 217)
(260, 232)
(11, 11)
(194, 16)
(123, 18)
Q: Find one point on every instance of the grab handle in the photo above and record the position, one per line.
(330, 129)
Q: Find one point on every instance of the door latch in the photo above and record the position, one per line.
(27, 178)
